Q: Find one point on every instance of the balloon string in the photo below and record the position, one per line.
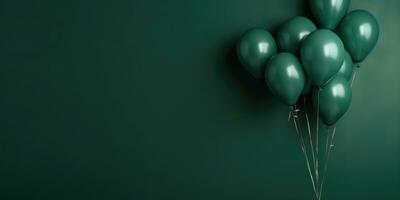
(354, 76)
(303, 148)
(331, 146)
(316, 145)
(309, 131)
(327, 142)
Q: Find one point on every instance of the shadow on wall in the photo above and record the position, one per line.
(254, 91)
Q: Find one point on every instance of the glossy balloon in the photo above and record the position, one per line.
(254, 48)
(322, 54)
(285, 77)
(334, 99)
(359, 31)
(292, 33)
(328, 13)
(346, 70)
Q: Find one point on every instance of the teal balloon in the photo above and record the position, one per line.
(346, 70)
(322, 54)
(291, 34)
(359, 31)
(254, 48)
(328, 13)
(285, 77)
(334, 100)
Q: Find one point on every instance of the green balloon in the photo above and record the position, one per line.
(292, 33)
(328, 13)
(334, 99)
(359, 31)
(322, 54)
(346, 70)
(285, 77)
(255, 47)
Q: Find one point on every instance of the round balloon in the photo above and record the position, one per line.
(359, 31)
(334, 99)
(322, 54)
(346, 70)
(285, 77)
(328, 13)
(292, 33)
(255, 47)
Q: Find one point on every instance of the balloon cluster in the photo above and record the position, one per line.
(303, 57)
(313, 62)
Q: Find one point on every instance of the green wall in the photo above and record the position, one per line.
(145, 99)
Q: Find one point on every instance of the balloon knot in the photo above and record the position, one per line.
(293, 112)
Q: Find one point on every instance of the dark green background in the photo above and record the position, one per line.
(145, 99)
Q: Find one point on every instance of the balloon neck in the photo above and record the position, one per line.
(293, 112)
(291, 108)
(357, 64)
(320, 86)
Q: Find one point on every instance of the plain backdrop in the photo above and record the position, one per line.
(145, 99)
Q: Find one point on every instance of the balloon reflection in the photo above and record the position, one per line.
(331, 50)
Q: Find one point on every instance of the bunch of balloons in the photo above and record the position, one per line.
(316, 60)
